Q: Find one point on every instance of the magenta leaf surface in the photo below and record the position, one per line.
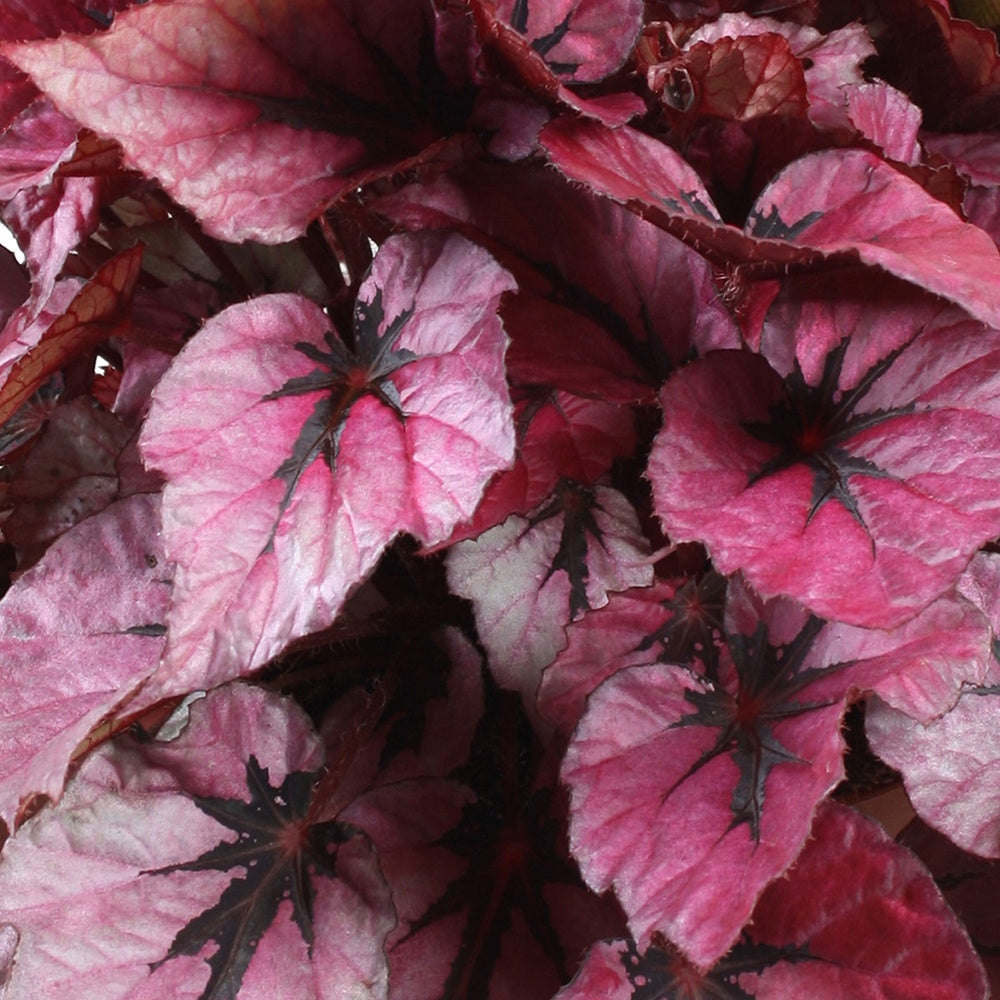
(723, 761)
(210, 853)
(581, 40)
(850, 884)
(422, 388)
(808, 467)
(85, 652)
(838, 205)
(215, 124)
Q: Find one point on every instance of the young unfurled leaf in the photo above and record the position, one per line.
(853, 465)
(293, 460)
(163, 872)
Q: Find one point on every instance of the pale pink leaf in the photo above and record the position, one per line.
(529, 577)
(100, 887)
(291, 462)
(886, 117)
(85, 648)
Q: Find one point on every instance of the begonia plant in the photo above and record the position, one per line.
(495, 494)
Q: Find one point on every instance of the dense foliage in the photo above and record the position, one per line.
(485, 485)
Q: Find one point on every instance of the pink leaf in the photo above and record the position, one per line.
(837, 204)
(642, 286)
(688, 782)
(733, 78)
(531, 576)
(73, 882)
(215, 124)
(851, 201)
(809, 468)
(90, 318)
(670, 622)
(582, 41)
(560, 436)
(69, 475)
(292, 462)
(949, 764)
(85, 648)
(856, 917)
(870, 918)
(886, 117)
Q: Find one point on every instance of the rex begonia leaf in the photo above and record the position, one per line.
(837, 204)
(858, 917)
(33, 146)
(71, 654)
(969, 885)
(582, 41)
(852, 463)
(293, 460)
(559, 436)
(530, 576)
(886, 117)
(688, 782)
(642, 286)
(257, 131)
(733, 78)
(831, 62)
(193, 868)
(674, 622)
(68, 475)
(90, 318)
(949, 764)
(49, 223)
(535, 67)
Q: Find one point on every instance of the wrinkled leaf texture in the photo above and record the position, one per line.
(291, 463)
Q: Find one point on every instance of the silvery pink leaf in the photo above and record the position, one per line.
(292, 461)
(690, 781)
(192, 868)
(85, 648)
(529, 577)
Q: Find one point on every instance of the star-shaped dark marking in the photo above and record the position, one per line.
(813, 425)
(768, 678)
(347, 376)
(280, 855)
